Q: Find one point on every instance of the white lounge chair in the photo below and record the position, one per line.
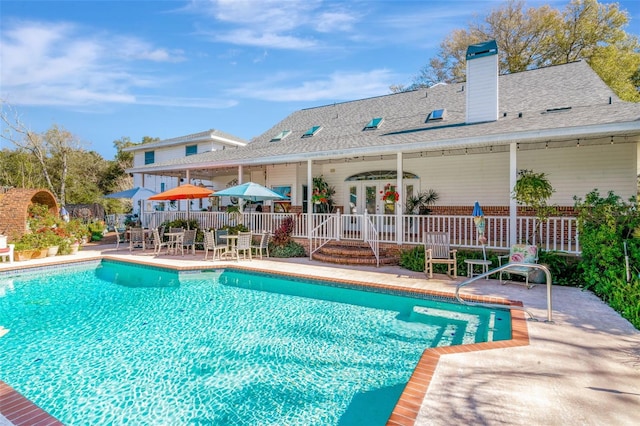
(520, 253)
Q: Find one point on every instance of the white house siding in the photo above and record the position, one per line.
(459, 180)
(285, 175)
(577, 171)
(462, 179)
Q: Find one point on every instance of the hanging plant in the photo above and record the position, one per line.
(389, 194)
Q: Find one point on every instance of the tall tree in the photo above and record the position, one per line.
(50, 149)
(544, 36)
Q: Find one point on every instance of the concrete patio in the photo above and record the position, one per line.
(582, 369)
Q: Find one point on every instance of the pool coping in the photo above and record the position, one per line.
(20, 411)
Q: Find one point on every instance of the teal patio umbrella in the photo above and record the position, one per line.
(132, 193)
(250, 191)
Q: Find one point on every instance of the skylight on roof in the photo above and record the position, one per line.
(437, 114)
(373, 124)
(283, 134)
(312, 131)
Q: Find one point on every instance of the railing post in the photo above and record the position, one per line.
(338, 225)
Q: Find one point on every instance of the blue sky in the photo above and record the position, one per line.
(110, 69)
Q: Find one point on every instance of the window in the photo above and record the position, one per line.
(312, 131)
(437, 114)
(162, 186)
(190, 150)
(149, 157)
(283, 134)
(380, 175)
(282, 206)
(373, 124)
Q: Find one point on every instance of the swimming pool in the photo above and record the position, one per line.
(118, 343)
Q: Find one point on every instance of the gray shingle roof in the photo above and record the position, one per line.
(593, 107)
(211, 135)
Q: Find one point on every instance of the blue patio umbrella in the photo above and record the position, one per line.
(132, 193)
(478, 219)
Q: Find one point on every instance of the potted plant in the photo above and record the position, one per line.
(420, 202)
(322, 195)
(31, 246)
(389, 194)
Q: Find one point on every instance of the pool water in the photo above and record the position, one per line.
(115, 343)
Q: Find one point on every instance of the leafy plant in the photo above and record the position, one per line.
(282, 234)
(605, 225)
(290, 249)
(322, 195)
(420, 202)
(534, 190)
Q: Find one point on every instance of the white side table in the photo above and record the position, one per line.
(471, 263)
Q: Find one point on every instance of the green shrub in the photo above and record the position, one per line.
(564, 269)
(290, 249)
(605, 224)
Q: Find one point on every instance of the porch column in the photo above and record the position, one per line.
(309, 202)
(240, 200)
(513, 207)
(187, 179)
(400, 203)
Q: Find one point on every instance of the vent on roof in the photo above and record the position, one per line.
(373, 124)
(312, 131)
(550, 110)
(437, 114)
(283, 134)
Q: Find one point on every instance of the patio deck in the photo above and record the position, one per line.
(583, 369)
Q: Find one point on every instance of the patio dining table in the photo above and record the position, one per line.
(174, 242)
(231, 245)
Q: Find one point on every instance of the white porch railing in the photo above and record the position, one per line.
(372, 237)
(323, 233)
(557, 233)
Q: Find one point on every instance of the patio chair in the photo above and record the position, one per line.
(189, 240)
(219, 233)
(262, 244)
(243, 245)
(136, 239)
(121, 236)
(211, 245)
(438, 251)
(172, 230)
(6, 250)
(520, 253)
(157, 242)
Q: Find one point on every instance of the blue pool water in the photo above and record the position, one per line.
(114, 343)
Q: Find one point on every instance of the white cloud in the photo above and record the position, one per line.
(274, 23)
(172, 101)
(335, 21)
(46, 63)
(264, 39)
(337, 86)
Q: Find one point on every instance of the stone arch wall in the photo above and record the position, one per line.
(14, 209)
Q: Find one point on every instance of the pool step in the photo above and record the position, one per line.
(352, 254)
